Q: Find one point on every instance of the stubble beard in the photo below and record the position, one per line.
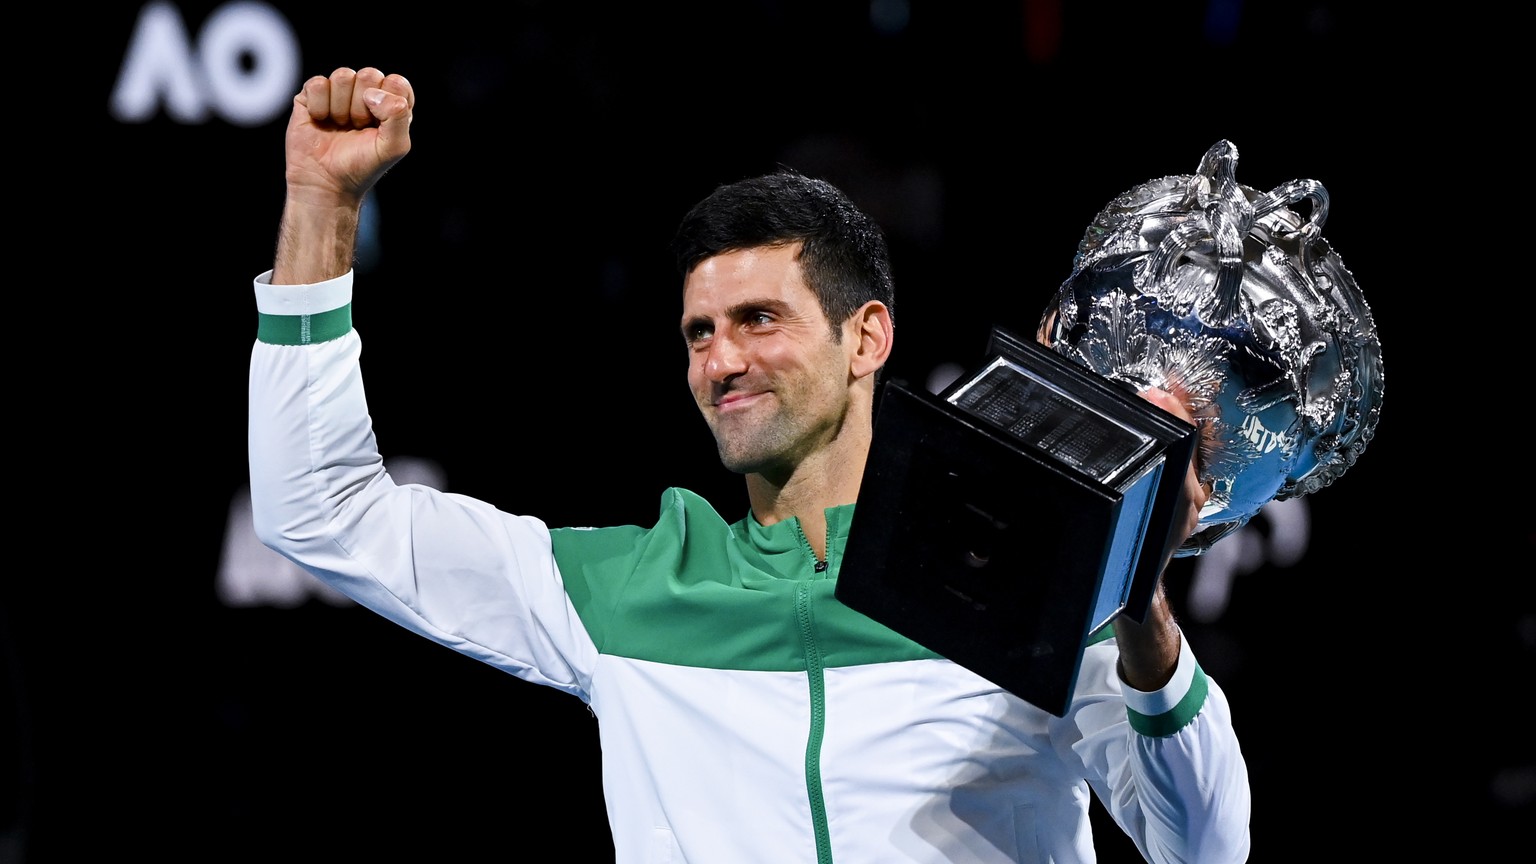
(758, 448)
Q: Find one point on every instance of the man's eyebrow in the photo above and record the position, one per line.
(745, 307)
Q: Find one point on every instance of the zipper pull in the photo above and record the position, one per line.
(821, 566)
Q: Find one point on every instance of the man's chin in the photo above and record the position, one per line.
(744, 463)
(737, 465)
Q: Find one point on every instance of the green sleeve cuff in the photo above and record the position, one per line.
(304, 329)
(1168, 722)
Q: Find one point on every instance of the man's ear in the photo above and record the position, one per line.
(869, 333)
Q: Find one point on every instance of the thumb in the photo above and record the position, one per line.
(393, 111)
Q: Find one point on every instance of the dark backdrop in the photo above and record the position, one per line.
(520, 313)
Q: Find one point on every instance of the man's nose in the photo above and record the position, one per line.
(725, 358)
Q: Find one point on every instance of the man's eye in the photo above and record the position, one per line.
(759, 318)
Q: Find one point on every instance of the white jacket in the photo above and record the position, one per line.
(745, 714)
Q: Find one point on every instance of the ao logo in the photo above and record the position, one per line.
(243, 67)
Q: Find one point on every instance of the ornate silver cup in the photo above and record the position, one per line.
(1202, 286)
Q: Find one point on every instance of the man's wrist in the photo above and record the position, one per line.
(315, 242)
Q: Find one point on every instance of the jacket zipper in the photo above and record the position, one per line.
(817, 684)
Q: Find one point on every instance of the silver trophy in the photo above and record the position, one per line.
(1005, 520)
(1202, 286)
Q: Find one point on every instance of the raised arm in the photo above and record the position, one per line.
(344, 132)
(1149, 651)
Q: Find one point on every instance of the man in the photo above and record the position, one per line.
(745, 715)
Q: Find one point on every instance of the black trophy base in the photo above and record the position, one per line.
(1003, 523)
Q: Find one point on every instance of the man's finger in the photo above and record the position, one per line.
(358, 109)
(342, 83)
(316, 98)
(397, 84)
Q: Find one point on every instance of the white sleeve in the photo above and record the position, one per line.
(450, 568)
(1166, 764)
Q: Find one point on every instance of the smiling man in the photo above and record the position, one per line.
(745, 714)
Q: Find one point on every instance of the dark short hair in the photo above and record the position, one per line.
(844, 256)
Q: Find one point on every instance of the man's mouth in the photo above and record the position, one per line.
(735, 400)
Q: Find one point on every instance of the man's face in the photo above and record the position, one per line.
(764, 368)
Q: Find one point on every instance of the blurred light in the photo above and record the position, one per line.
(369, 248)
(1277, 536)
(1042, 30)
(250, 575)
(942, 376)
(889, 17)
(1221, 21)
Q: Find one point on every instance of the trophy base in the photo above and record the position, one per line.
(1004, 522)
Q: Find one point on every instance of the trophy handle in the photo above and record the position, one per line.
(1293, 192)
(1230, 217)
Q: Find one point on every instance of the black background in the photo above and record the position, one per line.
(520, 326)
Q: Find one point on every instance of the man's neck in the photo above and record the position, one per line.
(815, 486)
